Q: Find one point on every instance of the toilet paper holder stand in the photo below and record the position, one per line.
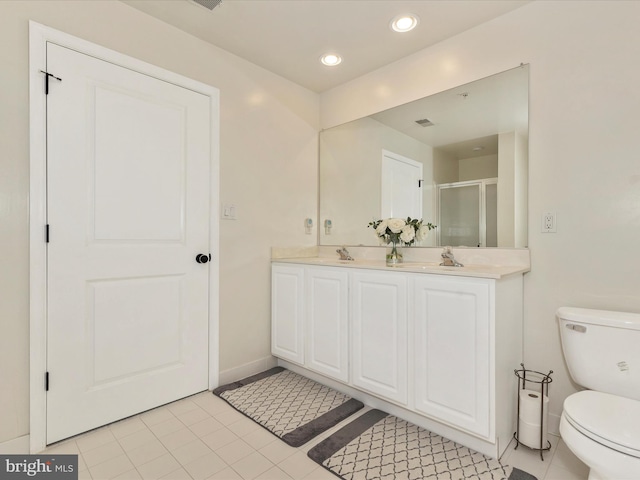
(540, 381)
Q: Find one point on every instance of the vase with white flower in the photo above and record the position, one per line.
(397, 231)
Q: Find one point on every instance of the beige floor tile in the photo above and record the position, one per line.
(191, 451)
(564, 458)
(205, 467)
(205, 427)
(111, 468)
(160, 467)
(94, 439)
(136, 440)
(557, 473)
(67, 447)
(244, 426)
(168, 426)
(252, 465)
(234, 451)
(127, 427)
(102, 453)
(212, 404)
(180, 474)
(529, 461)
(130, 475)
(193, 416)
(182, 406)
(226, 474)
(147, 452)
(178, 439)
(298, 465)
(275, 473)
(260, 438)
(277, 451)
(227, 417)
(157, 415)
(219, 438)
(320, 473)
(84, 475)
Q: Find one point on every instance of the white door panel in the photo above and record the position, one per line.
(128, 209)
(401, 191)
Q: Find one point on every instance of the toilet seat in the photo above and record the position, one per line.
(607, 419)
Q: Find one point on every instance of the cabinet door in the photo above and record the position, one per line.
(327, 328)
(287, 313)
(452, 350)
(379, 334)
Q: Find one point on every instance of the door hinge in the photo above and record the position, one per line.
(46, 81)
(46, 381)
(420, 183)
(46, 233)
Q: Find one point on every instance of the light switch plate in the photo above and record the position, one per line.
(229, 211)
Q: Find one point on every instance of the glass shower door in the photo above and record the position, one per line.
(460, 215)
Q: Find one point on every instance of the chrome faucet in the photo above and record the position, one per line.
(448, 260)
(344, 254)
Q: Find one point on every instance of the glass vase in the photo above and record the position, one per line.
(394, 257)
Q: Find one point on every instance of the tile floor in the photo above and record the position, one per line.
(202, 437)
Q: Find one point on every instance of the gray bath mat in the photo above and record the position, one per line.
(290, 406)
(377, 445)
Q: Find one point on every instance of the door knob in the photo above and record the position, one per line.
(203, 258)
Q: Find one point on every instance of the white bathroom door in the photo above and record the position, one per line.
(128, 197)
(401, 191)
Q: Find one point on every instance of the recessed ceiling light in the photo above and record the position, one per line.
(478, 148)
(331, 59)
(404, 23)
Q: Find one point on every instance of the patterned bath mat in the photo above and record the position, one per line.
(377, 445)
(290, 406)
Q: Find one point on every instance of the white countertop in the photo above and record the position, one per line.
(469, 270)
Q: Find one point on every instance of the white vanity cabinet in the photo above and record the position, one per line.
(309, 318)
(437, 349)
(452, 350)
(379, 333)
(287, 313)
(327, 322)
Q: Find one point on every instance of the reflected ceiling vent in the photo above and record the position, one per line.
(208, 4)
(425, 122)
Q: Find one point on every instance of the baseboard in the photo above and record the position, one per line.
(246, 370)
(17, 446)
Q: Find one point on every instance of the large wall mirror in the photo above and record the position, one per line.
(458, 159)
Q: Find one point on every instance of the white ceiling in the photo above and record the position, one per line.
(287, 37)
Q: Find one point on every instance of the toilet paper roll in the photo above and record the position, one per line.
(529, 434)
(530, 407)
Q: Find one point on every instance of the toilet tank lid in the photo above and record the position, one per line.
(600, 317)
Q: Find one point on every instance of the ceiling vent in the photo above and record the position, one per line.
(208, 4)
(425, 122)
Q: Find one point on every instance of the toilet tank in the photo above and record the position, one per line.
(602, 349)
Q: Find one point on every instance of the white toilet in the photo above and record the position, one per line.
(601, 425)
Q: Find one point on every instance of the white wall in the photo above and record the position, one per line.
(584, 101)
(474, 168)
(268, 158)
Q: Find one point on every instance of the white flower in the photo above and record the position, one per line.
(381, 229)
(408, 234)
(422, 233)
(396, 224)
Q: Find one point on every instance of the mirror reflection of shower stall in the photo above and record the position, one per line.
(468, 213)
